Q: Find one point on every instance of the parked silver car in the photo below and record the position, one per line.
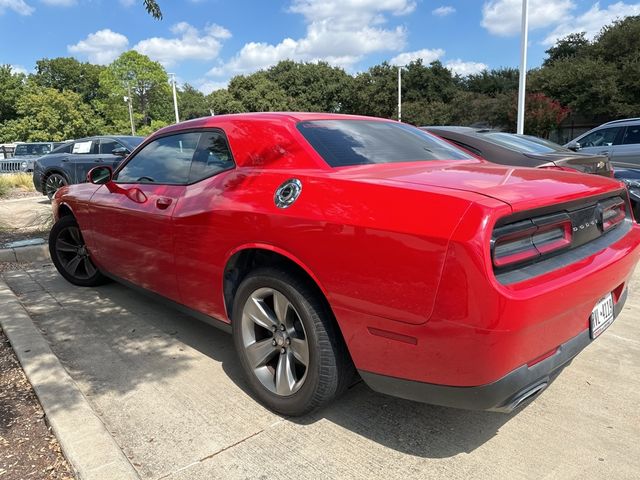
(619, 140)
(25, 154)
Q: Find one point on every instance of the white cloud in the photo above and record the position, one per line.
(101, 47)
(59, 3)
(340, 32)
(503, 17)
(18, 69)
(463, 69)
(443, 11)
(426, 55)
(189, 44)
(207, 87)
(592, 21)
(19, 6)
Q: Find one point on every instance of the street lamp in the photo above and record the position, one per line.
(523, 67)
(175, 98)
(127, 99)
(400, 93)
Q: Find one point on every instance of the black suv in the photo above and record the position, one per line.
(71, 162)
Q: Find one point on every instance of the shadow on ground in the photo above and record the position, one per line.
(115, 340)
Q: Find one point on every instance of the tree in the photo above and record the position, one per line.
(149, 86)
(153, 9)
(374, 92)
(493, 82)
(47, 114)
(192, 103)
(569, 47)
(257, 93)
(221, 102)
(542, 114)
(65, 73)
(311, 87)
(11, 87)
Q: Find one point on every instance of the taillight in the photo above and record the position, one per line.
(527, 240)
(612, 212)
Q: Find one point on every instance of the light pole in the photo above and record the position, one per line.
(175, 97)
(523, 67)
(399, 93)
(128, 100)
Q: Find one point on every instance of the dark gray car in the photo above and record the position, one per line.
(71, 162)
(522, 150)
(619, 140)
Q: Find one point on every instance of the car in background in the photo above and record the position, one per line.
(522, 150)
(326, 243)
(71, 162)
(25, 154)
(631, 178)
(619, 140)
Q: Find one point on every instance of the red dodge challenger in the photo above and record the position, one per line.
(330, 244)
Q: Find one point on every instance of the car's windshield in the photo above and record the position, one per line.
(360, 142)
(523, 143)
(23, 149)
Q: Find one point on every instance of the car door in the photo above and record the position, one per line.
(107, 145)
(132, 230)
(628, 152)
(601, 141)
(84, 156)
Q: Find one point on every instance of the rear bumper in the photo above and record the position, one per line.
(504, 395)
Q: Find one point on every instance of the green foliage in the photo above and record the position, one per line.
(493, 82)
(11, 87)
(48, 114)
(542, 114)
(145, 80)
(571, 47)
(221, 102)
(65, 73)
(192, 103)
(153, 9)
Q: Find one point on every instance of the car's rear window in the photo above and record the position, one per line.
(524, 143)
(344, 143)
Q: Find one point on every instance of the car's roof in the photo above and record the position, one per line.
(622, 122)
(457, 129)
(289, 117)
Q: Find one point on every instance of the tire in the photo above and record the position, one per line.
(52, 183)
(70, 255)
(302, 388)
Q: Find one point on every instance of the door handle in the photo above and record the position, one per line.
(604, 152)
(65, 159)
(163, 203)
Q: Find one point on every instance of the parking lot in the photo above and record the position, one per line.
(170, 392)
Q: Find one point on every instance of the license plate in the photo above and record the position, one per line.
(602, 315)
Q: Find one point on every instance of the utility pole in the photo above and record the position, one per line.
(128, 100)
(175, 97)
(522, 87)
(399, 94)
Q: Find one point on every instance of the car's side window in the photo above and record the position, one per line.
(605, 137)
(166, 160)
(632, 135)
(108, 145)
(212, 156)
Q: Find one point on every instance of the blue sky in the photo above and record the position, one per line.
(206, 42)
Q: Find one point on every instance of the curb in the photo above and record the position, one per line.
(31, 253)
(85, 441)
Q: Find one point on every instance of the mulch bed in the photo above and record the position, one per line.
(28, 449)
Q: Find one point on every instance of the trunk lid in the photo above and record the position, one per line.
(521, 188)
(591, 164)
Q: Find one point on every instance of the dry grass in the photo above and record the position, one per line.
(9, 181)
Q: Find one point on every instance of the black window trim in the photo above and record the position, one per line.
(143, 145)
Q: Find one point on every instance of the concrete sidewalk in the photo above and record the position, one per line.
(25, 213)
(170, 392)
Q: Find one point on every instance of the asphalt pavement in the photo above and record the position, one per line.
(169, 391)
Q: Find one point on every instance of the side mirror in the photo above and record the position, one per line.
(120, 152)
(575, 146)
(100, 175)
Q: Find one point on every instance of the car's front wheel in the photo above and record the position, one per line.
(70, 254)
(288, 342)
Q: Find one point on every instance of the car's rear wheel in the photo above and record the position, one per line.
(289, 345)
(53, 183)
(70, 254)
